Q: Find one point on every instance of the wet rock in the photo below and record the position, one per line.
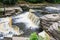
(7, 38)
(10, 11)
(49, 19)
(54, 30)
(44, 36)
(20, 38)
(51, 23)
(37, 12)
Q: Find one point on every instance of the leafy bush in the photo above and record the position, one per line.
(34, 36)
(42, 36)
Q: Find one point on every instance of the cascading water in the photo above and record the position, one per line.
(23, 18)
(24, 23)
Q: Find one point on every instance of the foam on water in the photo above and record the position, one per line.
(53, 9)
(24, 19)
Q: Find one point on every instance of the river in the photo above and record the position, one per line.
(23, 22)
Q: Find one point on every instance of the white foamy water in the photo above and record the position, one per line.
(23, 18)
(5, 28)
(53, 9)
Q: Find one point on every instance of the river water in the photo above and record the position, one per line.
(23, 22)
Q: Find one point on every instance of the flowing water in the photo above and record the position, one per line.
(24, 23)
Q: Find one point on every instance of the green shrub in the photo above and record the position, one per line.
(34, 36)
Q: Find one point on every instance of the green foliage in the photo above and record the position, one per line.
(35, 1)
(9, 1)
(57, 1)
(34, 36)
(53, 1)
(40, 1)
(31, 1)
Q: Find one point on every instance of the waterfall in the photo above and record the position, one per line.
(24, 18)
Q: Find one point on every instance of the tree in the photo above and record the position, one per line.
(9, 2)
(53, 1)
(35, 1)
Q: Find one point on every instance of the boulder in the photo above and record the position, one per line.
(49, 19)
(51, 23)
(44, 36)
(10, 11)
